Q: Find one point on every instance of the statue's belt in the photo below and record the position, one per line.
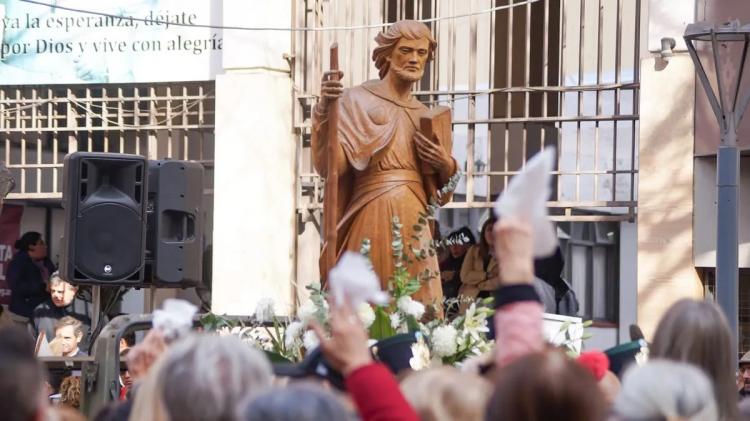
(366, 181)
(368, 187)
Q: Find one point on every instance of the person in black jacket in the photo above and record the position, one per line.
(549, 270)
(27, 276)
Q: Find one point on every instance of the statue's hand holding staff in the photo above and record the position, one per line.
(432, 153)
(330, 88)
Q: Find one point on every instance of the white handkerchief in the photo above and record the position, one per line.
(353, 280)
(175, 318)
(527, 194)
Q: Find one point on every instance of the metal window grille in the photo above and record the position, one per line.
(549, 72)
(591, 251)
(39, 125)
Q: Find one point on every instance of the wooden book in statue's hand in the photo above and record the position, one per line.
(435, 124)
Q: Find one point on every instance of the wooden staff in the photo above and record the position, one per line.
(330, 203)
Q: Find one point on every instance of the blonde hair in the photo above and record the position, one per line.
(70, 321)
(409, 29)
(447, 394)
(70, 392)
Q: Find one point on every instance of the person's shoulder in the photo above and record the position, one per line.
(474, 249)
(41, 309)
(20, 258)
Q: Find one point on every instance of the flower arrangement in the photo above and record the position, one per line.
(438, 340)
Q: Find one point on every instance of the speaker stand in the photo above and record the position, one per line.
(151, 298)
(96, 303)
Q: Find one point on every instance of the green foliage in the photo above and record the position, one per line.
(213, 322)
(276, 358)
(381, 327)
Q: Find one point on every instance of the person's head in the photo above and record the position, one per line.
(68, 333)
(550, 267)
(744, 373)
(70, 392)
(202, 377)
(296, 402)
(61, 291)
(33, 244)
(404, 48)
(485, 236)
(445, 393)
(696, 332)
(546, 386)
(125, 379)
(663, 389)
(22, 382)
(127, 342)
(462, 239)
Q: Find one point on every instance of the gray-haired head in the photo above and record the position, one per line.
(297, 402)
(208, 377)
(663, 389)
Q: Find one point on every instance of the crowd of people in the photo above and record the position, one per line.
(469, 270)
(203, 376)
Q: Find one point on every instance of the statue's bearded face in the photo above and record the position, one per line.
(408, 58)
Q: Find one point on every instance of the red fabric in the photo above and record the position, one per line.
(518, 331)
(377, 395)
(123, 393)
(596, 362)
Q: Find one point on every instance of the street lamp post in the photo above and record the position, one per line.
(723, 50)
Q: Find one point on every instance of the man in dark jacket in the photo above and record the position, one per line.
(63, 302)
(549, 270)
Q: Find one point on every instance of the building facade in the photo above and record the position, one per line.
(632, 187)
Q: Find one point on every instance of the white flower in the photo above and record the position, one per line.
(264, 310)
(310, 340)
(306, 312)
(475, 323)
(395, 320)
(410, 307)
(420, 355)
(366, 314)
(444, 340)
(292, 333)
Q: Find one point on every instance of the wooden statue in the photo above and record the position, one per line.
(385, 166)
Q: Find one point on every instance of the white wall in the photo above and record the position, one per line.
(254, 203)
(602, 339)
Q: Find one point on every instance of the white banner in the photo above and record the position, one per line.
(51, 45)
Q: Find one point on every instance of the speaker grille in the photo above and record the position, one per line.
(109, 244)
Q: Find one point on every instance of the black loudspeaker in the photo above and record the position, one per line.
(174, 251)
(104, 198)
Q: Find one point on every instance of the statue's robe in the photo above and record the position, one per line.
(380, 176)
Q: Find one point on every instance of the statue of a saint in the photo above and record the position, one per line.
(386, 166)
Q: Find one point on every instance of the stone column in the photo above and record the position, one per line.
(254, 208)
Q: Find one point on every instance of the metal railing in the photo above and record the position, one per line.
(39, 125)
